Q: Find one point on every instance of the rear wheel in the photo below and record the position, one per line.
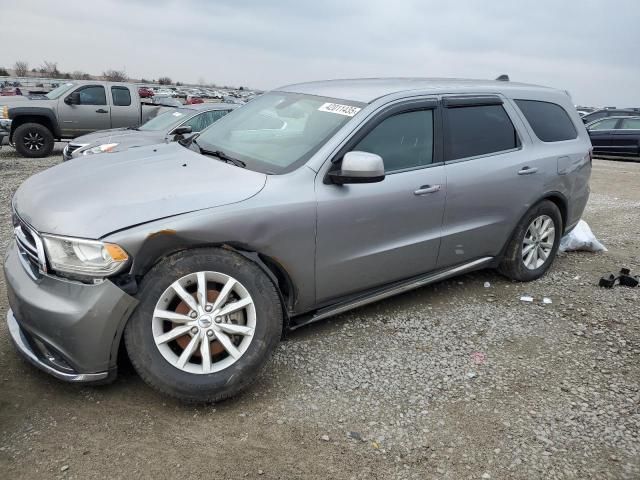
(534, 244)
(207, 322)
(33, 140)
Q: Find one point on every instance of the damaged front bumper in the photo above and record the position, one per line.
(69, 329)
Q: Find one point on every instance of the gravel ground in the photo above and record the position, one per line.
(453, 381)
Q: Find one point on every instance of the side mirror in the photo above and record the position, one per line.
(184, 129)
(359, 167)
(73, 99)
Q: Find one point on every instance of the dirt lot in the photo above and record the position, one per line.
(452, 381)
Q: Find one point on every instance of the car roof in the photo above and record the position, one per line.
(367, 90)
(614, 110)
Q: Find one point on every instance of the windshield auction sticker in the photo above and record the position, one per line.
(346, 110)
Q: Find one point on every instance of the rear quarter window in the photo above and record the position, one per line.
(549, 121)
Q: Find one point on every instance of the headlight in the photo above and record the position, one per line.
(4, 113)
(104, 148)
(89, 258)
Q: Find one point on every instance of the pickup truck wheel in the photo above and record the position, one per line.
(207, 322)
(33, 140)
(534, 244)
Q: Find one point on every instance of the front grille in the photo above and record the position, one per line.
(71, 147)
(30, 249)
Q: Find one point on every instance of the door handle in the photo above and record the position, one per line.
(527, 171)
(423, 190)
(102, 110)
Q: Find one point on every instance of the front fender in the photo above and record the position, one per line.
(21, 112)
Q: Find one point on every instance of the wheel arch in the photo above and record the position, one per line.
(39, 119)
(557, 198)
(274, 269)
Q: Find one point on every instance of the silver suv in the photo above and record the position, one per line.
(310, 200)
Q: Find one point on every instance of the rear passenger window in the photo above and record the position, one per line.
(121, 96)
(403, 141)
(549, 121)
(478, 130)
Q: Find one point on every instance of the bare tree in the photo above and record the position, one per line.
(78, 75)
(115, 75)
(164, 81)
(49, 68)
(21, 68)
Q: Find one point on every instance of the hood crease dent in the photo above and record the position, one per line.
(93, 196)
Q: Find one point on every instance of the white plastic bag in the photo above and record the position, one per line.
(581, 238)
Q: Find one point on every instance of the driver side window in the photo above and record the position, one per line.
(92, 95)
(404, 140)
(606, 124)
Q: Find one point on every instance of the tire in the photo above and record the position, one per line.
(514, 264)
(33, 140)
(193, 381)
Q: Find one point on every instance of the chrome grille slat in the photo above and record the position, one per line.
(30, 248)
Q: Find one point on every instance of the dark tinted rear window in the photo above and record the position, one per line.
(478, 130)
(549, 121)
(121, 96)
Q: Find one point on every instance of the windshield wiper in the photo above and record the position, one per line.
(222, 156)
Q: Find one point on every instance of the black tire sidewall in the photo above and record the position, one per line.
(158, 372)
(512, 264)
(19, 134)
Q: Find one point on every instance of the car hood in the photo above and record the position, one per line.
(97, 195)
(124, 137)
(11, 99)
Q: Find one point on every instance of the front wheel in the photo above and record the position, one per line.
(33, 140)
(208, 320)
(534, 244)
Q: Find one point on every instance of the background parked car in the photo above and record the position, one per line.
(10, 91)
(33, 124)
(608, 112)
(191, 100)
(168, 126)
(618, 136)
(145, 92)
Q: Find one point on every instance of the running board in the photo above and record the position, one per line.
(391, 291)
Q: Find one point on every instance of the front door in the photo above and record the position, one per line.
(93, 113)
(602, 136)
(373, 234)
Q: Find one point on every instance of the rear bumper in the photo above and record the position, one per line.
(68, 329)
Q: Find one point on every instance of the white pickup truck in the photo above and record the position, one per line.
(33, 124)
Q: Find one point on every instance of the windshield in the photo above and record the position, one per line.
(166, 120)
(278, 131)
(59, 91)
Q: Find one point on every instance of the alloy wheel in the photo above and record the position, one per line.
(204, 322)
(33, 141)
(538, 242)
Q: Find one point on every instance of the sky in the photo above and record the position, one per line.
(587, 47)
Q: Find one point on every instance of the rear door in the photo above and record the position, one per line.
(491, 176)
(373, 234)
(602, 136)
(123, 112)
(627, 136)
(93, 113)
